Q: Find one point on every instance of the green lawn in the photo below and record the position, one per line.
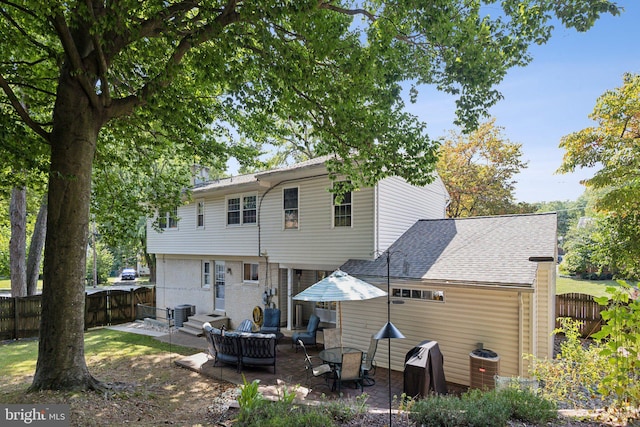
(19, 357)
(597, 288)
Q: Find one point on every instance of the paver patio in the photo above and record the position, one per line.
(290, 372)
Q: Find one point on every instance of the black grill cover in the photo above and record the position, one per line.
(424, 371)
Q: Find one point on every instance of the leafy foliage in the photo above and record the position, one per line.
(478, 171)
(613, 145)
(572, 378)
(621, 350)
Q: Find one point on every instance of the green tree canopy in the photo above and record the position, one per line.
(98, 78)
(612, 145)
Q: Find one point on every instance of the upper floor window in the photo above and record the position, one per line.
(290, 196)
(168, 219)
(250, 272)
(242, 210)
(200, 213)
(233, 211)
(249, 210)
(342, 209)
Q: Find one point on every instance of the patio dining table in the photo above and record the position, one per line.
(333, 356)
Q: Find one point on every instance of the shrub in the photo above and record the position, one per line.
(478, 408)
(527, 406)
(573, 377)
(621, 349)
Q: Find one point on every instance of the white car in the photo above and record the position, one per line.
(128, 274)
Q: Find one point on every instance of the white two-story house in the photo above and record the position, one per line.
(274, 233)
(247, 241)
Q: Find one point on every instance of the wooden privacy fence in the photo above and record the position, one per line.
(20, 316)
(580, 307)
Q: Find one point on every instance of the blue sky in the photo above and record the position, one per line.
(552, 97)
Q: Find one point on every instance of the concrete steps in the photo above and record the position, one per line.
(193, 325)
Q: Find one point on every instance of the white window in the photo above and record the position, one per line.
(290, 206)
(168, 219)
(233, 211)
(206, 274)
(249, 211)
(200, 213)
(250, 272)
(342, 209)
(242, 210)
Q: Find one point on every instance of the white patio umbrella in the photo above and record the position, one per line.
(340, 286)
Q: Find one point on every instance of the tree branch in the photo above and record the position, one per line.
(125, 106)
(77, 67)
(24, 115)
(23, 32)
(103, 67)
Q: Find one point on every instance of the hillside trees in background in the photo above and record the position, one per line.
(94, 73)
(612, 145)
(569, 213)
(478, 170)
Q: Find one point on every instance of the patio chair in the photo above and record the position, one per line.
(323, 370)
(308, 337)
(271, 322)
(245, 326)
(350, 370)
(368, 364)
(331, 337)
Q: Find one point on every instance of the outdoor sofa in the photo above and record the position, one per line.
(240, 348)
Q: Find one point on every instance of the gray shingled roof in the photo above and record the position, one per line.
(253, 178)
(491, 250)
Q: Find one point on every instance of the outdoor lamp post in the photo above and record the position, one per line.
(389, 331)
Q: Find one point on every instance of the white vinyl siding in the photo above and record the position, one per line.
(316, 244)
(545, 302)
(399, 205)
(215, 240)
(467, 317)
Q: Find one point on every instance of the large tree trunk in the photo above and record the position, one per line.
(18, 242)
(61, 363)
(35, 249)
